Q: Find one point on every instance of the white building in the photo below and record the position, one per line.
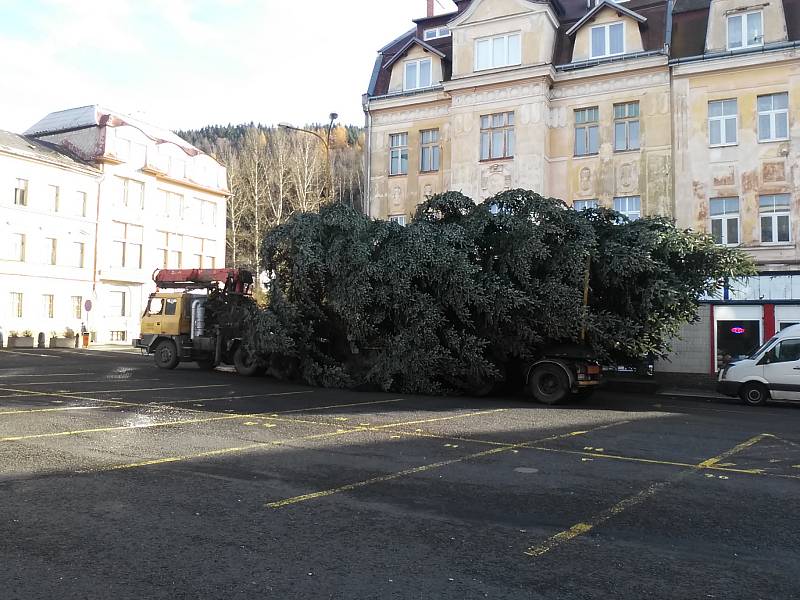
(48, 224)
(157, 202)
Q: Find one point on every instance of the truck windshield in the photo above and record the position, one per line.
(763, 347)
(155, 306)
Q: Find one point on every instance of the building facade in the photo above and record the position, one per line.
(682, 108)
(157, 202)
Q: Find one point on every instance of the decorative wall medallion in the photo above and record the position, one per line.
(495, 179)
(723, 175)
(627, 176)
(585, 180)
(428, 190)
(396, 199)
(773, 171)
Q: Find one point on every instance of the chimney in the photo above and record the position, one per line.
(430, 8)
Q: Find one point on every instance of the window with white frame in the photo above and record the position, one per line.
(399, 219)
(429, 151)
(16, 247)
(497, 136)
(171, 204)
(724, 213)
(77, 307)
(194, 250)
(170, 249)
(417, 74)
(723, 122)
(398, 154)
(126, 245)
(78, 251)
(608, 40)
(626, 126)
(79, 209)
(745, 30)
(16, 304)
(48, 304)
(117, 305)
(587, 132)
(53, 194)
(436, 32)
(21, 192)
(498, 51)
(774, 212)
(208, 213)
(773, 117)
(584, 204)
(49, 251)
(630, 206)
(132, 193)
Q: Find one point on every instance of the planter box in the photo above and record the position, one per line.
(20, 342)
(62, 342)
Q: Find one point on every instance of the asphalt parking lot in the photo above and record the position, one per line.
(118, 480)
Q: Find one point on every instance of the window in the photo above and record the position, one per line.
(435, 32)
(773, 117)
(630, 206)
(80, 204)
(608, 40)
(208, 212)
(587, 137)
(170, 306)
(117, 335)
(399, 219)
(127, 245)
(53, 194)
(497, 136)
(50, 248)
(626, 126)
(722, 122)
(77, 307)
(398, 154)
(774, 211)
(116, 304)
(132, 193)
(745, 30)
(194, 248)
(77, 254)
(21, 192)
(584, 204)
(498, 51)
(786, 351)
(429, 155)
(17, 247)
(417, 74)
(724, 220)
(172, 204)
(16, 304)
(47, 303)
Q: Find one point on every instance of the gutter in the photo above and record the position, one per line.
(729, 53)
(608, 60)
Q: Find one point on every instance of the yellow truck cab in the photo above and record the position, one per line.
(174, 327)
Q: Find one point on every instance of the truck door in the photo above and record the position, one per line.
(782, 370)
(170, 322)
(153, 315)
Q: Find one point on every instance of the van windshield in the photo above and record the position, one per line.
(762, 347)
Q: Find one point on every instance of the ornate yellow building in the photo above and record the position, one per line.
(683, 108)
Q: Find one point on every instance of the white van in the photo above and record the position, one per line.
(771, 372)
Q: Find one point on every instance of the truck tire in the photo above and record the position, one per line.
(244, 363)
(548, 384)
(165, 355)
(754, 393)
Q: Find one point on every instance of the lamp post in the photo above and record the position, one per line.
(326, 141)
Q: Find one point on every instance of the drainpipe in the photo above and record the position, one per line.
(367, 201)
(100, 181)
(667, 47)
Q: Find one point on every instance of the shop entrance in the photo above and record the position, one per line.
(736, 340)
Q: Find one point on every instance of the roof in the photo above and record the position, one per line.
(600, 6)
(35, 149)
(404, 48)
(95, 115)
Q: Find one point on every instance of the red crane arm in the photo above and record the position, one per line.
(237, 281)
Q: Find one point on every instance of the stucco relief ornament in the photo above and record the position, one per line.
(585, 176)
(625, 176)
(494, 180)
(396, 200)
(428, 190)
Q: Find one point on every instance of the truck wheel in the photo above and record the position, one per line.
(754, 393)
(166, 355)
(548, 384)
(244, 363)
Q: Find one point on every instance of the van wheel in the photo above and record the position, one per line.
(165, 355)
(754, 394)
(244, 363)
(548, 384)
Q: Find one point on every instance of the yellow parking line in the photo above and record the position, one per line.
(435, 419)
(214, 399)
(297, 410)
(19, 393)
(631, 501)
(46, 375)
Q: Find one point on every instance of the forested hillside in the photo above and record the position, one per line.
(274, 172)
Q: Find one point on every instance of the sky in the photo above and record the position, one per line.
(182, 64)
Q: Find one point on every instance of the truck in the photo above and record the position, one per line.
(177, 326)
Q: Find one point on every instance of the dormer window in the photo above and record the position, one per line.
(745, 30)
(417, 74)
(497, 51)
(608, 40)
(436, 32)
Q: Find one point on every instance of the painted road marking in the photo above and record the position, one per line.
(412, 471)
(216, 398)
(48, 375)
(67, 394)
(30, 354)
(106, 380)
(580, 529)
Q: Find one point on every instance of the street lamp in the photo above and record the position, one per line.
(326, 141)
